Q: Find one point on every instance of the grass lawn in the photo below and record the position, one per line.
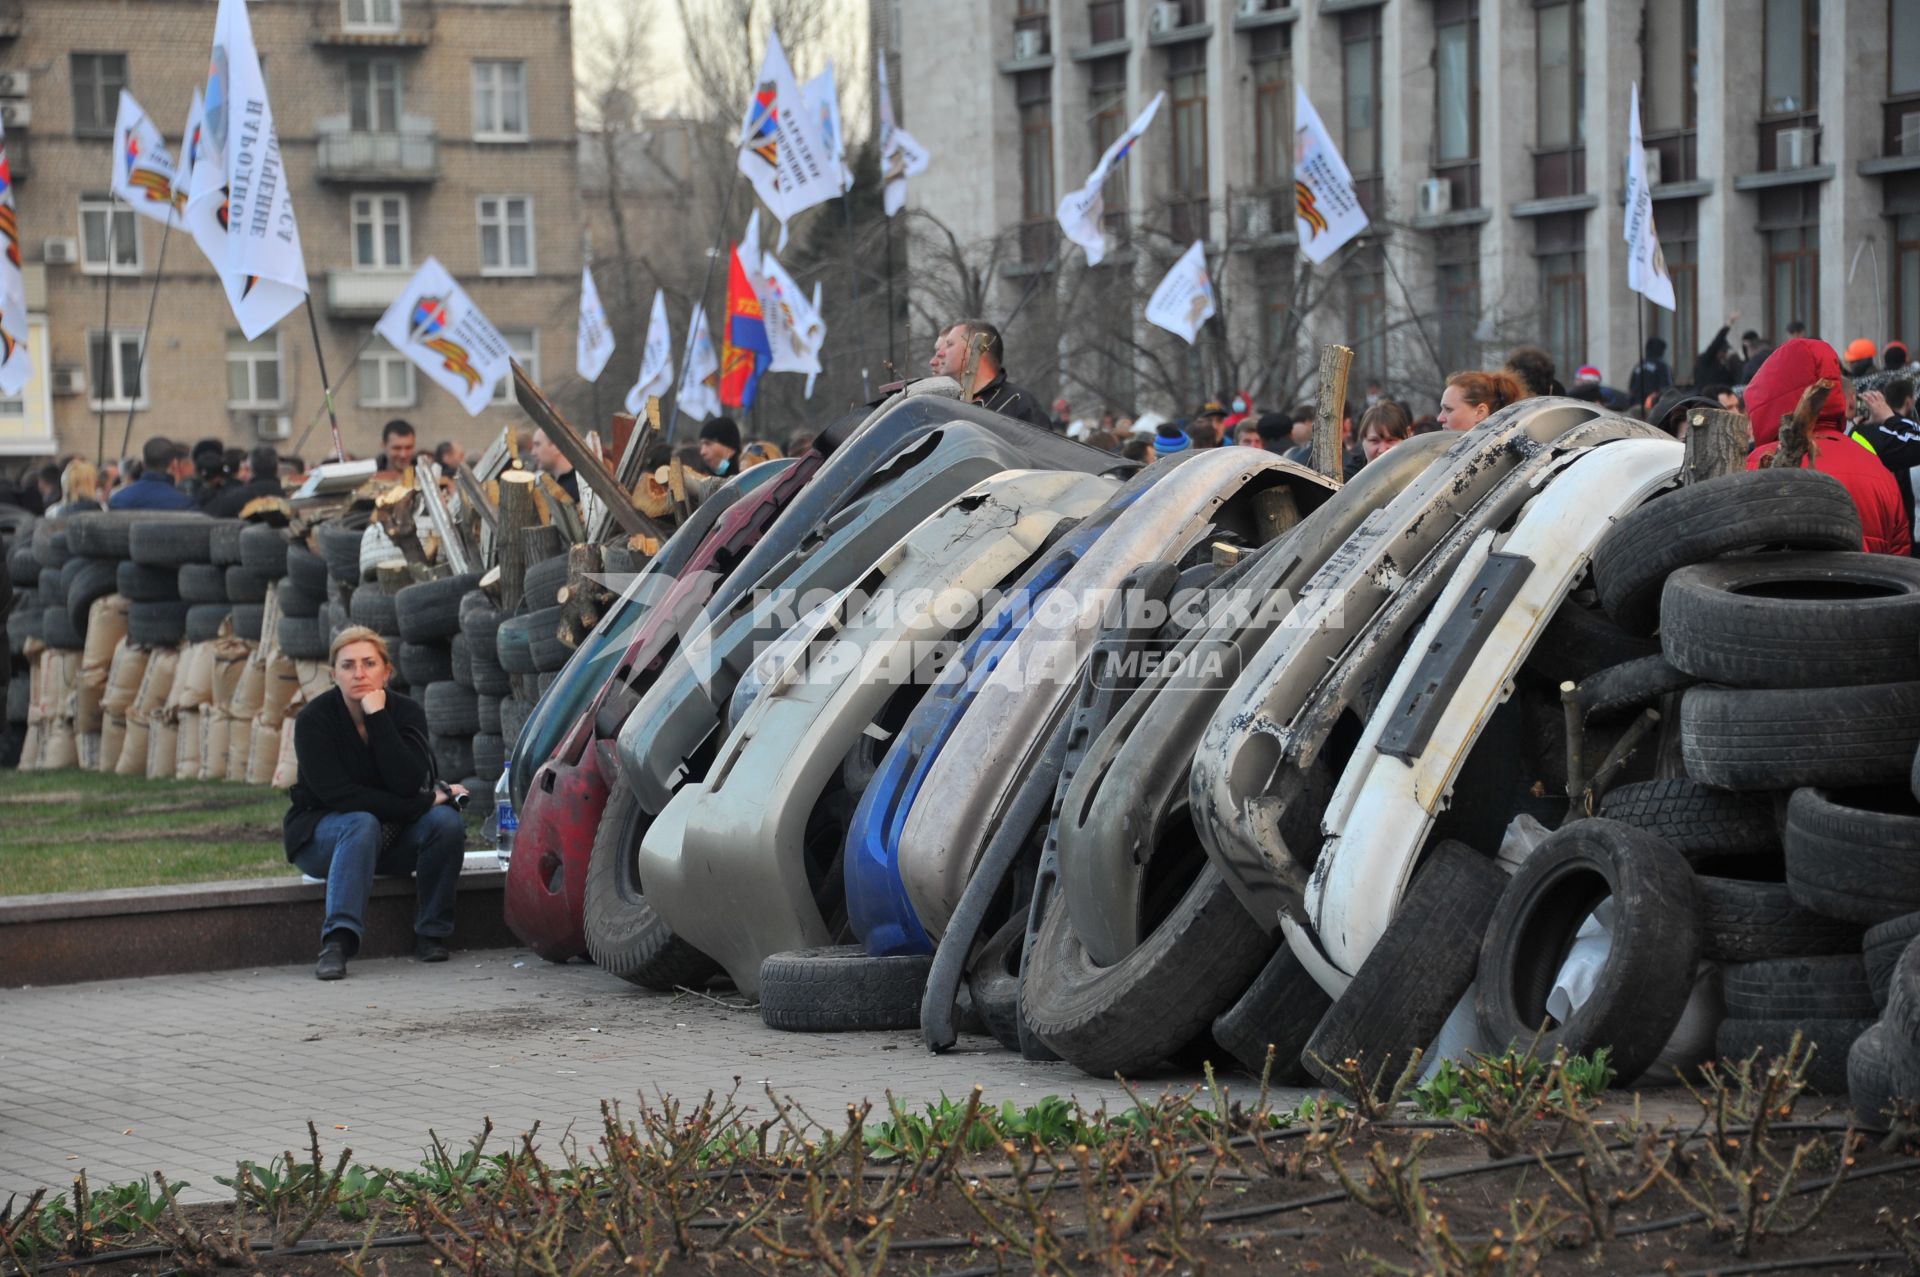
(81, 831)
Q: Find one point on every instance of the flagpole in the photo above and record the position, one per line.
(106, 339)
(146, 331)
(326, 384)
(891, 362)
(353, 367)
(686, 358)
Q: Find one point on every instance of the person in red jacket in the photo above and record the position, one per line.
(1775, 392)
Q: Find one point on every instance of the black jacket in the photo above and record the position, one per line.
(389, 775)
(229, 501)
(1896, 441)
(1710, 366)
(1009, 400)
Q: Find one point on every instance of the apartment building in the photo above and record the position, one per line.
(410, 128)
(1488, 139)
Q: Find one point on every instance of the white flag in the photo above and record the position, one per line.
(700, 385)
(143, 170)
(1646, 265)
(815, 371)
(260, 263)
(595, 344)
(799, 332)
(190, 149)
(783, 150)
(1326, 208)
(900, 156)
(1184, 299)
(435, 324)
(656, 362)
(1081, 210)
(16, 367)
(824, 96)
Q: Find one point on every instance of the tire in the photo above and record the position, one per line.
(248, 620)
(373, 607)
(423, 664)
(1831, 1040)
(1743, 921)
(340, 548)
(223, 542)
(205, 619)
(1823, 620)
(452, 710)
(840, 988)
(624, 935)
(23, 624)
(1785, 738)
(297, 602)
(1881, 948)
(549, 654)
(335, 618)
(101, 535)
(514, 713)
(1580, 642)
(94, 579)
(169, 543)
(22, 568)
(49, 543)
(461, 662)
(263, 550)
(491, 680)
(1792, 509)
(488, 708)
(1649, 974)
(160, 623)
(1623, 689)
(1903, 1005)
(1854, 855)
(1707, 826)
(58, 631)
(489, 757)
(304, 638)
(1416, 974)
(541, 588)
(245, 585)
(430, 610)
(203, 583)
(516, 655)
(1281, 1008)
(306, 570)
(19, 693)
(1829, 988)
(480, 622)
(452, 755)
(1881, 1076)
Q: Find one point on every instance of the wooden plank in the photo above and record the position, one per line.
(592, 471)
(1335, 362)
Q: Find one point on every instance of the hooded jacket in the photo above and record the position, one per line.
(1775, 391)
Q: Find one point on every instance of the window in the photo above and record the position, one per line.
(1106, 21)
(1187, 99)
(97, 81)
(1033, 92)
(1791, 80)
(1272, 109)
(373, 95)
(1107, 108)
(1677, 222)
(386, 377)
(1360, 89)
(1793, 278)
(1671, 85)
(1560, 248)
(506, 235)
(1903, 47)
(115, 376)
(1561, 74)
(253, 371)
(1367, 314)
(500, 100)
(525, 345)
(379, 232)
(1457, 262)
(1906, 278)
(1273, 273)
(1457, 76)
(370, 15)
(108, 226)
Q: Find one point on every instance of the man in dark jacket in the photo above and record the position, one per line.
(232, 499)
(977, 344)
(1889, 431)
(163, 462)
(1651, 375)
(1710, 368)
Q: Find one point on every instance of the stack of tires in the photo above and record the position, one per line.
(528, 646)
(20, 585)
(1883, 1070)
(476, 657)
(434, 664)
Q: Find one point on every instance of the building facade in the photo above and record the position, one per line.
(410, 128)
(1488, 139)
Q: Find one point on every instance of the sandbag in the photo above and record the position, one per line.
(156, 685)
(215, 732)
(282, 685)
(186, 758)
(133, 749)
(316, 680)
(30, 749)
(124, 672)
(86, 701)
(163, 747)
(239, 745)
(288, 769)
(196, 676)
(106, 627)
(248, 690)
(264, 754)
(87, 747)
(230, 661)
(113, 738)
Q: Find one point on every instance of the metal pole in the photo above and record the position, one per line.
(326, 385)
(106, 340)
(686, 358)
(146, 331)
(892, 362)
(353, 368)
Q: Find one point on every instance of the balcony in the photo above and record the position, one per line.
(1106, 21)
(1188, 219)
(411, 154)
(411, 25)
(13, 18)
(358, 293)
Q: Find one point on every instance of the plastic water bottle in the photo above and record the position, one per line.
(507, 822)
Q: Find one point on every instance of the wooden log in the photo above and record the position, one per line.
(1717, 443)
(593, 472)
(392, 575)
(517, 514)
(1796, 428)
(582, 599)
(564, 511)
(1335, 362)
(542, 542)
(652, 497)
(1274, 511)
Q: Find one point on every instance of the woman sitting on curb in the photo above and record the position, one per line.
(367, 802)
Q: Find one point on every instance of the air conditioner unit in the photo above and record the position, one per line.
(1795, 148)
(1651, 155)
(1256, 219)
(1028, 44)
(270, 426)
(69, 381)
(1163, 17)
(13, 84)
(60, 251)
(1436, 197)
(16, 113)
(1248, 8)
(1907, 141)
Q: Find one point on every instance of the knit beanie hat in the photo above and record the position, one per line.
(1170, 438)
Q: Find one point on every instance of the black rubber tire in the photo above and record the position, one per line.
(1903, 1003)
(102, 534)
(23, 570)
(1882, 1076)
(205, 619)
(452, 755)
(160, 623)
(991, 988)
(513, 647)
(49, 542)
(1783, 738)
(1744, 921)
(625, 937)
(541, 588)
(1629, 687)
(460, 661)
(1831, 1039)
(1281, 1009)
(169, 543)
(298, 602)
(263, 549)
(840, 989)
(488, 708)
(1827, 988)
(549, 654)
(246, 585)
(480, 621)
(1789, 509)
(491, 680)
(304, 638)
(514, 713)
(203, 583)
(1881, 948)
(1579, 642)
(58, 631)
(373, 607)
(430, 610)
(489, 757)
(336, 617)
(452, 710)
(1701, 824)
(248, 618)
(306, 570)
(424, 664)
(1854, 854)
(19, 693)
(1822, 620)
(1417, 973)
(340, 547)
(223, 542)
(1649, 972)
(93, 580)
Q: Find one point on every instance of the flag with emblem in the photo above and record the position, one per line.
(1326, 208)
(144, 174)
(1080, 213)
(595, 346)
(900, 156)
(16, 366)
(699, 396)
(823, 94)
(796, 339)
(1646, 264)
(435, 324)
(1184, 299)
(744, 348)
(189, 154)
(782, 148)
(656, 361)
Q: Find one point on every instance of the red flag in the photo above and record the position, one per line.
(744, 349)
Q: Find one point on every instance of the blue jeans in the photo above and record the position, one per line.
(345, 850)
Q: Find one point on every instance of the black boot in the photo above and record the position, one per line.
(333, 962)
(429, 948)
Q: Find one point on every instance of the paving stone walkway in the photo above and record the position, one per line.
(191, 1073)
